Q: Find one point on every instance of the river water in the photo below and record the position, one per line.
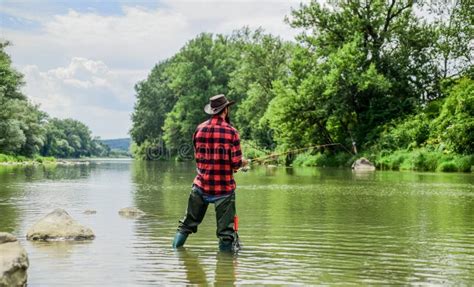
(297, 226)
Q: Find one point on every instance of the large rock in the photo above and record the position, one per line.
(13, 261)
(363, 164)
(90, 211)
(131, 212)
(59, 225)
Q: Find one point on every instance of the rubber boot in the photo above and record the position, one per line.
(179, 239)
(225, 246)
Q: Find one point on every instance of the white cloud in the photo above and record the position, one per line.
(86, 90)
(78, 64)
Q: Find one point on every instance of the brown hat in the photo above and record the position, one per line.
(217, 104)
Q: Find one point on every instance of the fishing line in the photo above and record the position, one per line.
(259, 159)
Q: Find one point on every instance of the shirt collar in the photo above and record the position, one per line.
(216, 120)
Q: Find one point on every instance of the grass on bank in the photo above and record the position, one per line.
(341, 159)
(424, 160)
(420, 159)
(416, 160)
(5, 158)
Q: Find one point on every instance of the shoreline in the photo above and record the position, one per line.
(56, 161)
(305, 161)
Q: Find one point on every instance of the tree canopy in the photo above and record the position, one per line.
(357, 68)
(26, 130)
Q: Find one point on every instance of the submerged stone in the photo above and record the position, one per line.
(131, 212)
(13, 261)
(363, 164)
(90, 211)
(6, 237)
(59, 225)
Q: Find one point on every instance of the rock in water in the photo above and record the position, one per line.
(59, 225)
(131, 212)
(363, 164)
(13, 261)
(6, 237)
(90, 211)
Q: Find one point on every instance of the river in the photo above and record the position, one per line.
(297, 225)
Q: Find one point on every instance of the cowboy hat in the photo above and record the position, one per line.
(216, 104)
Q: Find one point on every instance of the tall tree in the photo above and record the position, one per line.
(453, 22)
(263, 60)
(200, 70)
(359, 63)
(21, 123)
(70, 138)
(155, 99)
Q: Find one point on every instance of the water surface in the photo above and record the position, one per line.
(301, 226)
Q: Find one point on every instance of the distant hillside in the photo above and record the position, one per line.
(118, 144)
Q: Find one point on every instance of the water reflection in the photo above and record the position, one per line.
(68, 172)
(298, 225)
(226, 264)
(194, 271)
(58, 249)
(363, 175)
(225, 268)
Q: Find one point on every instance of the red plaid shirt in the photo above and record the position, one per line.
(218, 155)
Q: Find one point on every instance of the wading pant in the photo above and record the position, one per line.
(197, 207)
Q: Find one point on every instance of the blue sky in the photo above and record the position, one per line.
(10, 19)
(81, 59)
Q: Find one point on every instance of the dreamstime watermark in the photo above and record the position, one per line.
(186, 151)
(265, 150)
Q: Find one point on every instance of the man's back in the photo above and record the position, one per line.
(217, 152)
(218, 156)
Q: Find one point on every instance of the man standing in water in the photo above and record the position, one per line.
(218, 156)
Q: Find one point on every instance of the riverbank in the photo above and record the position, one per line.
(23, 160)
(13, 160)
(387, 216)
(414, 160)
(420, 159)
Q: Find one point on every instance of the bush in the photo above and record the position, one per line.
(323, 159)
(391, 161)
(464, 163)
(448, 166)
(424, 160)
(20, 158)
(410, 132)
(455, 124)
(44, 159)
(5, 158)
(251, 150)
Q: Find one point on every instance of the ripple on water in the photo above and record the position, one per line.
(312, 227)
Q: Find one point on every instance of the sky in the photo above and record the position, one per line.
(81, 59)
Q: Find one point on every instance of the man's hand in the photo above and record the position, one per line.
(244, 167)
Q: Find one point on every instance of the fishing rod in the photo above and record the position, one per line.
(260, 159)
(257, 147)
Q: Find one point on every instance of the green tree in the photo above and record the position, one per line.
(454, 25)
(70, 138)
(155, 99)
(263, 60)
(200, 70)
(455, 124)
(359, 64)
(21, 123)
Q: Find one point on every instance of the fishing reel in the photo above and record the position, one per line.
(246, 167)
